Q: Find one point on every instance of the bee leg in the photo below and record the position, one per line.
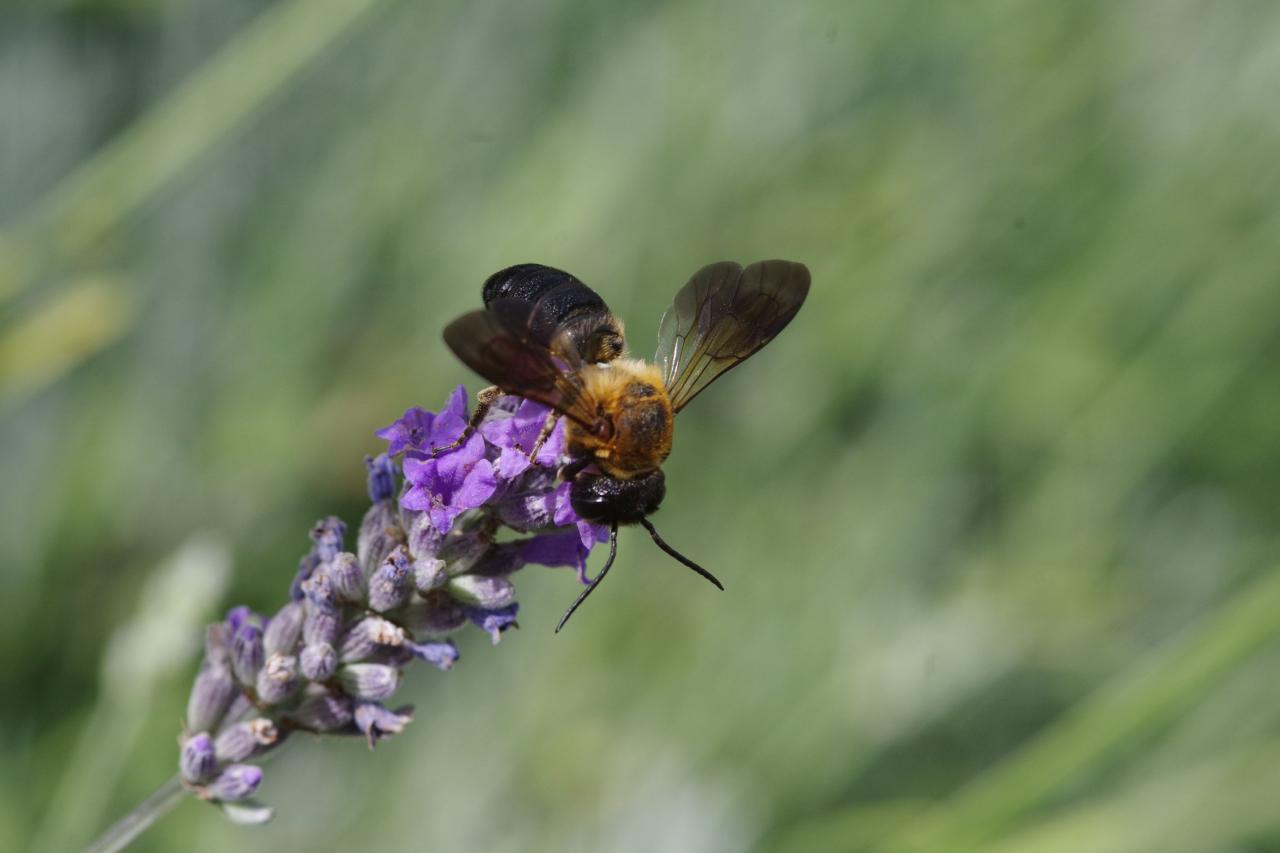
(553, 417)
(485, 399)
(613, 552)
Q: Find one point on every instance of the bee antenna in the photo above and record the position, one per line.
(661, 543)
(613, 552)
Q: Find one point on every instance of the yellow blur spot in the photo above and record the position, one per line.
(68, 329)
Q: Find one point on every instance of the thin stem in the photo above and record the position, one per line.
(138, 821)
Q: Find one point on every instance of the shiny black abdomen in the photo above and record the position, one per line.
(608, 500)
(560, 304)
(559, 292)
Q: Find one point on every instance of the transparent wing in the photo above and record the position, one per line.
(721, 317)
(497, 343)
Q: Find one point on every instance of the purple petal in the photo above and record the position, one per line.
(554, 549)
(564, 513)
(512, 463)
(410, 431)
(417, 498)
(443, 655)
(451, 420)
(478, 486)
(494, 621)
(377, 721)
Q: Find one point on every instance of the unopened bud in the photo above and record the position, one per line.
(392, 582)
(278, 679)
(369, 681)
(247, 654)
(245, 740)
(368, 636)
(323, 712)
(318, 662)
(198, 761)
(237, 782)
(487, 593)
(211, 695)
(284, 630)
(346, 578)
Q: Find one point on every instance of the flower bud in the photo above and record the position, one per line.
(435, 616)
(328, 534)
(284, 630)
(346, 578)
(238, 617)
(500, 560)
(368, 636)
(382, 477)
(392, 582)
(237, 782)
(241, 709)
(429, 573)
(198, 761)
(487, 593)
(278, 679)
(318, 662)
(217, 644)
(323, 711)
(380, 534)
(424, 539)
(368, 681)
(321, 614)
(211, 695)
(306, 568)
(461, 550)
(377, 721)
(247, 653)
(245, 740)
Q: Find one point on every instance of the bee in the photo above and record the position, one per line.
(545, 336)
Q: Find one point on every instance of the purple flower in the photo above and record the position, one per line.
(448, 485)
(425, 564)
(419, 430)
(514, 433)
(409, 432)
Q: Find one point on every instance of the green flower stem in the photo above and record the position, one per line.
(138, 821)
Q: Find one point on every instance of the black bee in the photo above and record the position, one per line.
(546, 336)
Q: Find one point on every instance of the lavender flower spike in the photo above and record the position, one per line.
(426, 562)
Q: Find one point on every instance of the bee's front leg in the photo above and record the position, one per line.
(485, 399)
(553, 417)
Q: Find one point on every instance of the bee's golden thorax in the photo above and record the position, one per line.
(633, 431)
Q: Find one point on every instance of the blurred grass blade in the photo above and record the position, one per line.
(1211, 805)
(160, 641)
(1137, 703)
(204, 109)
(72, 326)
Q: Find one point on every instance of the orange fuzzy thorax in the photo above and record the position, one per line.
(630, 399)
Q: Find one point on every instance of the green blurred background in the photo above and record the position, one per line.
(997, 515)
